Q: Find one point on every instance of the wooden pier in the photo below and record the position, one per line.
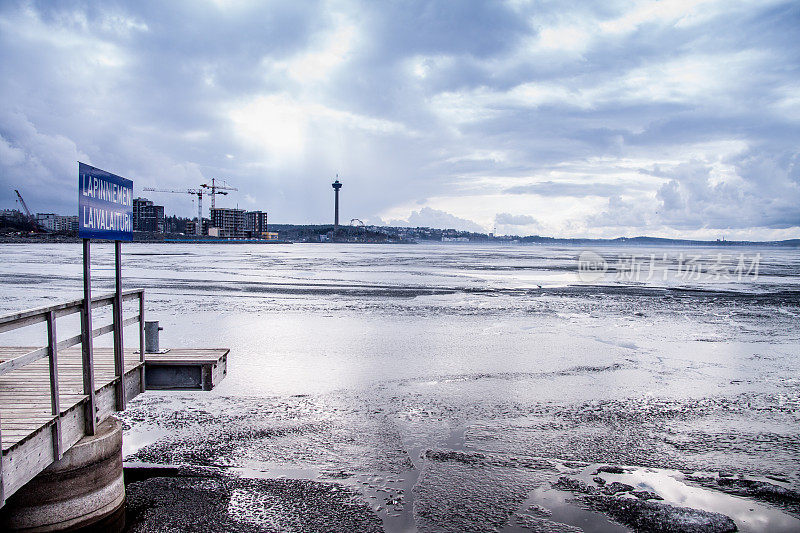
(53, 396)
(32, 436)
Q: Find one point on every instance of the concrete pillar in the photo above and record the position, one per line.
(85, 488)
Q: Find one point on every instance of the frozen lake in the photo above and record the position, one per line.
(452, 385)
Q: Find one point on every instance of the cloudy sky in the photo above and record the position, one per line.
(668, 118)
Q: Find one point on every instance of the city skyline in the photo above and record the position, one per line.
(668, 119)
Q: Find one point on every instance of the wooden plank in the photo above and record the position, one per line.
(34, 414)
(17, 320)
(2, 460)
(41, 413)
(42, 392)
(141, 339)
(53, 368)
(23, 360)
(108, 328)
(70, 342)
(102, 301)
(119, 351)
(12, 323)
(131, 294)
(69, 386)
(16, 417)
(220, 370)
(15, 424)
(86, 329)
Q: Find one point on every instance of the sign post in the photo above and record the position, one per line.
(105, 211)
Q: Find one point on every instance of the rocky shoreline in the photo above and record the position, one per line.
(214, 499)
(208, 501)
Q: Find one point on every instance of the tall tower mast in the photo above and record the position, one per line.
(336, 186)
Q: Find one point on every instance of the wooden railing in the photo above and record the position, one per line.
(49, 315)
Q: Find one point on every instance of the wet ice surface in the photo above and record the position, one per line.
(450, 387)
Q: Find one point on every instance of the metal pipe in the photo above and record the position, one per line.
(151, 330)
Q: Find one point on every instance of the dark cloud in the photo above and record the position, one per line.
(481, 28)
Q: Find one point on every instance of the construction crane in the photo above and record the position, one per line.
(198, 230)
(217, 189)
(31, 218)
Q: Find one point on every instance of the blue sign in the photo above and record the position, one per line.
(105, 205)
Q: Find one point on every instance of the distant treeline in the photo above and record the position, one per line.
(175, 227)
(314, 232)
(324, 232)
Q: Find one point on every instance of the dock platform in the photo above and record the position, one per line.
(26, 421)
(186, 368)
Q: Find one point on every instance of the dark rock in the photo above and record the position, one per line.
(538, 510)
(650, 516)
(760, 490)
(481, 459)
(459, 457)
(610, 469)
(646, 495)
(599, 480)
(569, 484)
(575, 464)
(726, 474)
(338, 474)
(780, 479)
(616, 486)
(394, 500)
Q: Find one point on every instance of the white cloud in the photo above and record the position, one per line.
(428, 217)
(328, 51)
(507, 219)
(711, 80)
(122, 24)
(285, 127)
(69, 34)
